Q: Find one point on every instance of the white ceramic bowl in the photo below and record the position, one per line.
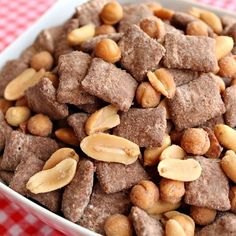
(58, 14)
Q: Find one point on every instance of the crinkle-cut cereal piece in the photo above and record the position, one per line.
(6, 176)
(232, 32)
(77, 194)
(5, 131)
(77, 121)
(190, 52)
(196, 102)
(91, 108)
(62, 47)
(211, 190)
(9, 72)
(139, 52)
(28, 53)
(145, 127)
(89, 45)
(110, 84)
(19, 145)
(144, 224)
(183, 76)
(227, 20)
(181, 20)
(225, 225)
(133, 14)
(47, 38)
(71, 24)
(89, 12)
(230, 104)
(171, 29)
(213, 122)
(72, 68)
(103, 205)
(41, 98)
(115, 177)
(27, 168)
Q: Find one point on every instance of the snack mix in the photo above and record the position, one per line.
(122, 120)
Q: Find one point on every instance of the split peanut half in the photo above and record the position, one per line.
(181, 170)
(110, 148)
(54, 178)
(102, 120)
(224, 45)
(228, 164)
(173, 228)
(174, 152)
(60, 155)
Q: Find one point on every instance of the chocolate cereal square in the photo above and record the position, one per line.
(144, 224)
(190, 52)
(41, 98)
(213, 122)
(128, 175)
(110, 84)
(6, 176)
(196, 102)
(145, 127)
(77, 194)
(77, 121)
(211, 189)
(72, 68)
(181, 20)
(225, 225)
(230, 104)
(5, 131)
(103, 205)
(19, 145)
(139, 52)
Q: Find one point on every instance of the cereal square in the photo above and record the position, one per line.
(115, 177)
(77, 194)
(211, 190)
(110, 84)
(145, 127)
(72, 68)
(230, 104)
(190, 52)
(5, 131)
(181, 20)
(139, 52)
(41, 98)
(103, 205)
(144, 224)
(6, 176)
(19, 145)
(196, 102)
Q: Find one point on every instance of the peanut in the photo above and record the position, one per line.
(232, 197)
(40, 125)
(102, 120)
(164, 13)
(173, 228)
(146, 95)
(118, 225)
(42, 60)
(224, 46)
(181, 170)
(153, 27)
(144, 195)
(60, 155)
(226, 136)
(108, 50)
(80, 35)
(163, 82)
(171, 191)
(202, 215)
(212, 20)
(195, 141)
(151, 155)
(173, 151)
(194, 11)
(67, 135)
(105, 29)
(197, 28)
(110, 148)
(228, 164)
(227, 67)
(186, 223)
(112, 13)
(17, 115)
(5, 105)
(163, 103)
(54, 178)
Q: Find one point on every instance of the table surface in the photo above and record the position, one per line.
(15, 17)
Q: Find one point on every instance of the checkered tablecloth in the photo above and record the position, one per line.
(15, 17)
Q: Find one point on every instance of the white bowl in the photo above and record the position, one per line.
(58, 14)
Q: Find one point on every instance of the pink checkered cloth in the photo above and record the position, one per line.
(15, 17)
